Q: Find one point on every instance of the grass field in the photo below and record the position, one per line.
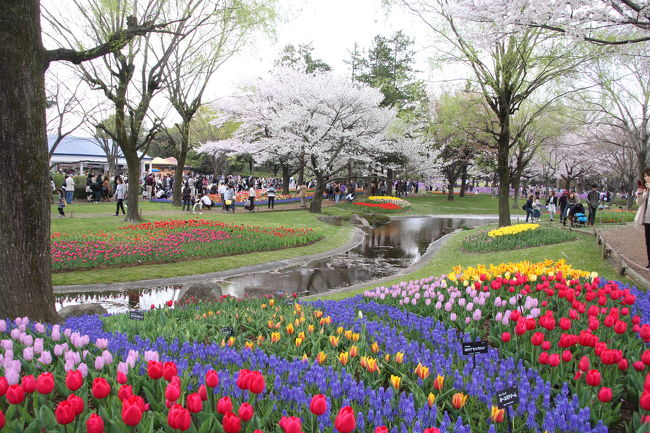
(581, 254)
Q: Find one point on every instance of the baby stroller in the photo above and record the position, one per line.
(577, 215)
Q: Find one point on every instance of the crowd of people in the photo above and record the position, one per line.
(567, 204)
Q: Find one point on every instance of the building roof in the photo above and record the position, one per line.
(80, 146)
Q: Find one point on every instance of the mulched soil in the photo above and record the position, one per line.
(630, 242)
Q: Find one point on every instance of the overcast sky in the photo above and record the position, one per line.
(332, 26)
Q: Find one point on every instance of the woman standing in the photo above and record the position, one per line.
(528, 207)
(563, 206)
(642, 215)
(251, 197)
(120, 195)
(551, 204)
(270, 194)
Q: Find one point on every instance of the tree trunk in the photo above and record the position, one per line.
(315, 205)
(133, 191)
(285, 178)
(24, 186)
(503, 171)
(463, 182)
(516, 183)
(349, 170)
(178, 177)
(450, 193)
(389, 181)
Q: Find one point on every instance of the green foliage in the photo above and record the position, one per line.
(292, 57)
(480, 242)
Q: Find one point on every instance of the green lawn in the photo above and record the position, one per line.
(334, 238)
(582, 253)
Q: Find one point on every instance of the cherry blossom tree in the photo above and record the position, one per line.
(328, 119)
(220, 150)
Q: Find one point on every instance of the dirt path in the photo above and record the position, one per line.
(629, 241)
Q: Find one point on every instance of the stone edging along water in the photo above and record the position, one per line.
(355, 240)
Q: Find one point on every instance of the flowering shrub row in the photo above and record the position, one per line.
(511, 230)
(168, 241)
(481, 241)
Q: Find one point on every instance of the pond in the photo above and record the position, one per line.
(385, 250)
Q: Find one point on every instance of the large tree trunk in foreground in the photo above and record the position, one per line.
(516, 183)
(503, 172)
(463, 182)
(133, 165)
(285, 178)
(25, 273)
(178, 177)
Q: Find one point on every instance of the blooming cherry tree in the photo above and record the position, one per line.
(325, 118)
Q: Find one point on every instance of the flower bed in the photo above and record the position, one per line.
(388, 199)
(577, 332)
(619, 216)
(261, 197)
(361, 364)
(517, 237)
(169, 241)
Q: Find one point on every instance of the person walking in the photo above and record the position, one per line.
(528, 207)
(642, 216)
(186, 195)
(270, 194)
(303, 195)
(564, 204)
(69, 189)
(229, 197)
(593, 200)
(120, 195)
(551, 205)
(62, 201)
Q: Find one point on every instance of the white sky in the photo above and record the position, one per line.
(332, 26)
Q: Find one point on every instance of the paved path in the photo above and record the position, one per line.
(355, 240)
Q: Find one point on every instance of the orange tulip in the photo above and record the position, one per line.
(275, 337)
(344, 358)
(374, 347)
(399, 357)
(354, 351)
(298, 341)
(321, 357)
(310, 329)
(249, 345)
(290, 329)
(431, 399)
(458, 400)
(339, 330)
(497, 414)
(334, 341)
(422, 371)
(372, 365)
(396, 381)
(439, 382)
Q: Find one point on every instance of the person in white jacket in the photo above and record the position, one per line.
(69, 189)
(642, 215)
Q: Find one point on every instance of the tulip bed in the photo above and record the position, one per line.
(389, 361)
(484, 241)
(169, 241)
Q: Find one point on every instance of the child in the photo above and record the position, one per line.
(537, 210)
(62, 202)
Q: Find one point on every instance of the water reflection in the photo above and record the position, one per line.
(121, 302)
(385, 250)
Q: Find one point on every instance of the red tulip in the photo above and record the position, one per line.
(645, 358)
(246, 412)
(132, 408)
(172, 392)
(28, 383)
(73, 380)
(212, 379)
(593, 377)
(194, 403)
(179, 418)
(565, 323)
(584, 363)
(101, 388)
(169, 370)
(543, 358)
(554, 360)
(203, 393)
(124, 392)
(95, 424)
(231, 423)
(256, 382)
(644, 400)
(344, 421)
(318, 404)
(381, 429)
(431, 430)
(121, 378)
(537, 338)
(605, 394)
(546, 345)
(45, 383)
(290, 424)
(505, 337)
(15, 394)
(64, 412)
(243, 379)
(4, 385)
(77, 402)
(224, 405)
(2, 419)
(567, 356)
(153, 307)
(154, 369)
(622, 364)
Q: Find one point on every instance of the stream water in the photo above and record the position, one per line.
(385, 250)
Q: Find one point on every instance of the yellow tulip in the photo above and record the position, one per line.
(272, 302)
(305, 358)
(301, 334)
(431, 399)
(372, 365)
(387, 357)
(339, 330)
(354, 351)
(310, 329)
(249, 345)
(348, 334)
(321, 357)
(497, 414)
(275, 337)
(374, 347)
(395, 381)
(344, 358)
(334, 341)
(422, 371)
(231, 341)
(298, 341)
(290, 329)
(318, 314)
(439, 383)
(399, 357)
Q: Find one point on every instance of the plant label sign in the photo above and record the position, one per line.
(507, 397)
(228, 331)
(474, 347)
(136, 315)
